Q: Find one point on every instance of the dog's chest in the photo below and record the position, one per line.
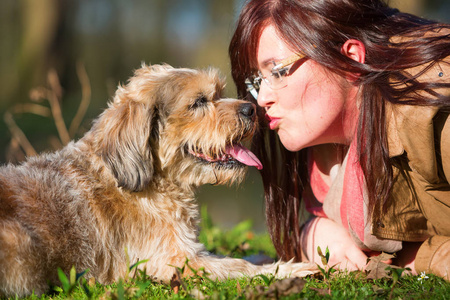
(165, 227)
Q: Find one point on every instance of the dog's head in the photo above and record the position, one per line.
(173, 124)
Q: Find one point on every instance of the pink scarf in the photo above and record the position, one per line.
(345, 201)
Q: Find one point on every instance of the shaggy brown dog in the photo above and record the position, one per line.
(129, 184)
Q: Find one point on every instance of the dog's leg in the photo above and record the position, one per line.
(225, 267)
(20, 273)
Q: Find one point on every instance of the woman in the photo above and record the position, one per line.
(358, 94)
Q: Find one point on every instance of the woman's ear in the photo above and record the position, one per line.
(355, 50)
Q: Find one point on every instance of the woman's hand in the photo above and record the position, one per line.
(343, 251)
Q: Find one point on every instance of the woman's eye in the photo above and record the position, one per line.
(275, 74)
(280, 73)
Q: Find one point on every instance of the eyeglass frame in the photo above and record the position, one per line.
(253, 87)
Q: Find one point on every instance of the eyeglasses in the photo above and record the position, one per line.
(275, 79)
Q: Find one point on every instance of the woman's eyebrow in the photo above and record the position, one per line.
(268, 61)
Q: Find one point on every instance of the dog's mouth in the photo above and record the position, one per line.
(233, 155)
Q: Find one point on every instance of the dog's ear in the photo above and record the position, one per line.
(127, 132)
(126, 142)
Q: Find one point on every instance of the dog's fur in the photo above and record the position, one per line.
(127, 184)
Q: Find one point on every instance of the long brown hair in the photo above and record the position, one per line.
(318, 28)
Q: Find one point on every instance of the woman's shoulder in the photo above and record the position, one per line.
(414, 128)
(434, 71)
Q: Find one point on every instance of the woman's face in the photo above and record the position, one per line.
(316, 107)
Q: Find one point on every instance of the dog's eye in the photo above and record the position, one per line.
(200, 101)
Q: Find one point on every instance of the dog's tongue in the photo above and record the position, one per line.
(245, 156)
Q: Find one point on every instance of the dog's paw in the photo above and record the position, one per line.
(291, 269)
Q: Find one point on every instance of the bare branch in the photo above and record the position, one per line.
(54, 97)
(85, 99)
(32, 109)
(18, 134)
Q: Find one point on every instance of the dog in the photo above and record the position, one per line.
(127, 186)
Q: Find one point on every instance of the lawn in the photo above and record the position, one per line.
(242, 241)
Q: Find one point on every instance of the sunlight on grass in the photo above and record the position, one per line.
(239, 242)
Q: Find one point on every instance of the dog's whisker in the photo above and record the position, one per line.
(217, 180)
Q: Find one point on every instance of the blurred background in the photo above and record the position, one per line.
(61, 61)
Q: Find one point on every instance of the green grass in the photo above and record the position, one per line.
(242, 241)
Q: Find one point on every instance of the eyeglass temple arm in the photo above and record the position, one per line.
(289, 60)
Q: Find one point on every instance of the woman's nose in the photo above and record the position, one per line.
(266, 97)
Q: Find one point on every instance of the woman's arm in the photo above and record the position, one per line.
(433, 256)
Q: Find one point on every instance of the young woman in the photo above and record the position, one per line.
(355, 99)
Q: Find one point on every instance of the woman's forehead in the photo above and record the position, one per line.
(271, 47)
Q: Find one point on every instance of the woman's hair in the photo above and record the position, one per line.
(318, 28)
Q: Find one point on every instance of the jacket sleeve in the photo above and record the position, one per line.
(434, 257)
(434, 254)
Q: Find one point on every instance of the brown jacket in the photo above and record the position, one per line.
(419, 206)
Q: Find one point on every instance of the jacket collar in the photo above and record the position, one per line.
(410, 131)
(410, 128)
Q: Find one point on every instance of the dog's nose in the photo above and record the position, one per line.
(247, 110)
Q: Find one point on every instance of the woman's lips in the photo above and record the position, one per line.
(273, 122)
